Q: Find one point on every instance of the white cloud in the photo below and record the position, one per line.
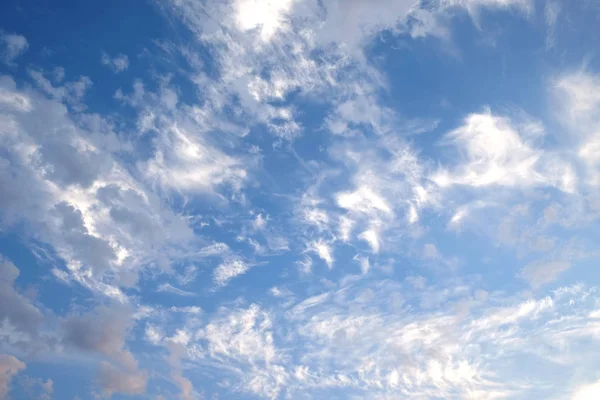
(186, 162)
(361, 111)
(524, 4)
(497, 154)
(577, 96)
(345, 228)
(388, 177)
(241, 342)
(305, 265)
(280, 292)
(359, 335)
(243, 335)
(323, 250)
(587, 392)
(99, 215)
(153, 334)
(474, 7)
(552, 10)
(363, 200)
(316, 217)
(463, 212)
(260, 222)
(214, 249)
(357, 340)
(285, 39)
(228, 270)
(71, 92)
(365, 264)
(15, 101)
(188, 156)
(371, 236)
(118, 64)
(375, 180)
(287, 35)
(11, 47)
(36, 388)
(354, 23)
(268, 16)
(168, 288)
(457, 218)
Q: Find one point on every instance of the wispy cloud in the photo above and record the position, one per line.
(228, 270)
(11, 47)
(118, 64)
(351, 340)
(497, 154)
(323, 251)
(168, 288)
(538, 274)
(576, 93)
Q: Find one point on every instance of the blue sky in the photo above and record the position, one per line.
(299, 199)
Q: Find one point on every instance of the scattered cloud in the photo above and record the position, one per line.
(541, 273)
(12, 46)
(17, 312)
(268, 17)
(186, 162)
(168, 288)
(552, 11)
(118, 64)
(243, 338)
(323, 250)
(84, 202)
(352, 339)
(37, 388)
(579, 102)
(497, 154)
(229, 270)
(290, 134)
(9, 367)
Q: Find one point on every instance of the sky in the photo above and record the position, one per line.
(299, 199)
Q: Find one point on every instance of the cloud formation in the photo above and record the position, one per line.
(301, 199)
(9, 367)
(118, 64)
(16, 309)
(103, 331)
(12, 46)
